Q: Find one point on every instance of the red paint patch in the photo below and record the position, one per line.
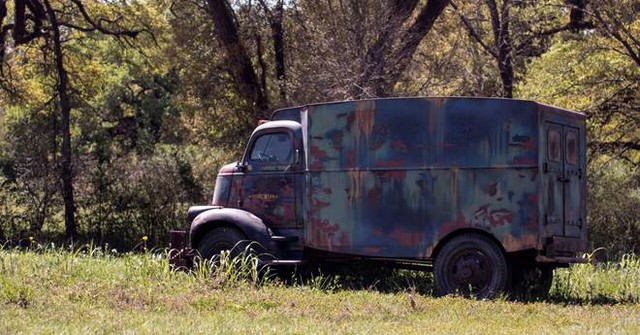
(390, 163)
(491, 189)
(317, 152)
(374, 195)
(351, 159)
(447, 227)
(528, 144)
(317, 204)
(393, 174)
(316, 166)
(496, 217)
(406, 238)
(500, 217)
(399, 146)
(344, 239)
(523, 161)
(371, 250)
(337, 140)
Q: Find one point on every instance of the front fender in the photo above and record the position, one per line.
(252, 226)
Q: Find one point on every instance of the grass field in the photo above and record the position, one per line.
(92, 292)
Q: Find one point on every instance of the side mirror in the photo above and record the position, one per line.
(242, 167)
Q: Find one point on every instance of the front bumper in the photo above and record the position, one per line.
(180, 256)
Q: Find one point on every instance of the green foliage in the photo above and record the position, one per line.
(609, 282)
(614, 209)
(153, 118)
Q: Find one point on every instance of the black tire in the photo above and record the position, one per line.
(531, 282)
(472, 265)
(220, 239)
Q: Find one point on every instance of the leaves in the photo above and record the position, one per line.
(174, 102)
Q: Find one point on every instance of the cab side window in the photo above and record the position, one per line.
(272, 149)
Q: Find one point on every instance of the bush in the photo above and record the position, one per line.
(613, 209)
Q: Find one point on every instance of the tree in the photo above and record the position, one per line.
(365, 48)
(40, 20)
(405, 24)
(516, 36)
(595, 72)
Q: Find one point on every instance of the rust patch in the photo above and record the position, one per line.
(406, 238)
(364, 120)
(492, 189)
(356, 179)
(399, 146)
(372, 250)
(318, 153)
(263, 196)
(512, 243)
(373, 195)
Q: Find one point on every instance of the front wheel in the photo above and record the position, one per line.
(472, 265)
(221, 239)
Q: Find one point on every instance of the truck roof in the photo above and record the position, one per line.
(291, 113)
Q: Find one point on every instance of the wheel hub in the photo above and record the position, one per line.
(469, 271)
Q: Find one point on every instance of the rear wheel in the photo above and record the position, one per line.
(471, 265)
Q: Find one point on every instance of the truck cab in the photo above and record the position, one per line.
(484, 192)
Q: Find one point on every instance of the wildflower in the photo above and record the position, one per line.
(145, 238)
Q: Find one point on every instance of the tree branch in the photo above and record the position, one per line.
(473, 33)
(414, 35)
(99, 27)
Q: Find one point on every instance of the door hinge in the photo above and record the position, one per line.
(549, 219)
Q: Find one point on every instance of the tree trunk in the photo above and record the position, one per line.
(384, 64)
(412, 38)
(240, 66)
(502, 40)
(66, 167)
(373, 77)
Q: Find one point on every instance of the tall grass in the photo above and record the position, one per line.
(610, 282)
(25, 274)
(49, 289)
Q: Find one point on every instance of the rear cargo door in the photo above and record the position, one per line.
(561, 175)
(573, 222)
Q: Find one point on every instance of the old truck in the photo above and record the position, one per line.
(485, 192)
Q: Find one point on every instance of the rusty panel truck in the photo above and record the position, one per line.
(485, 192)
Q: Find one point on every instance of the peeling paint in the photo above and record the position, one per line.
(393, 177)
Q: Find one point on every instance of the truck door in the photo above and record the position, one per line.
(573, 222)
(268, 183)
(561, 176)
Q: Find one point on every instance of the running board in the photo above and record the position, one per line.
(285, 262)
(278, 238)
